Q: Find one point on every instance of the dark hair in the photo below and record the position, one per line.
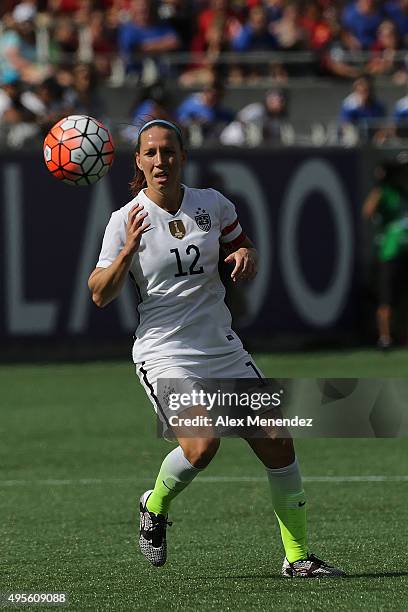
(139, 180)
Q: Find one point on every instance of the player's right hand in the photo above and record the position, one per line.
(135, 227)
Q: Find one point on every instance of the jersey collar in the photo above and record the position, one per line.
(145, 199)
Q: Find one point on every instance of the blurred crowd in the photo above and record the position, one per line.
(55, 53)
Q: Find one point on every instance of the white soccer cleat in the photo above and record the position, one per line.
(152, 538)
(312, 567)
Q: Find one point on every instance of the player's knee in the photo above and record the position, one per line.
(202, 452)
(283, 452)
(274, 452)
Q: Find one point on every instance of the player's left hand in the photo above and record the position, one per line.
(245, 264)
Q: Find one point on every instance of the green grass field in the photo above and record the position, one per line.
(79, 447)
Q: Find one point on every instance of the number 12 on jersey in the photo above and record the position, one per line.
(192, 268)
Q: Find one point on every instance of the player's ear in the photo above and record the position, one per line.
(137, 160)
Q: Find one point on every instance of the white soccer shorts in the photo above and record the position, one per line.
(184, 373)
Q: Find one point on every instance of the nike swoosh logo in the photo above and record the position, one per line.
(167, 486)
(300, 504)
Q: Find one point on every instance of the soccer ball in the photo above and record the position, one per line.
(78, 150)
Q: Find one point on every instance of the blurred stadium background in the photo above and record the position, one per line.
(259, 88)
(288, 107)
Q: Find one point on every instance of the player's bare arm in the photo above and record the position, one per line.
(105, 284)
(244, 260)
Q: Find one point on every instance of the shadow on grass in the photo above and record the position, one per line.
(233, 577)
(279, 576)
(378, 575)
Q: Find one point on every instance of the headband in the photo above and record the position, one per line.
(164, 123)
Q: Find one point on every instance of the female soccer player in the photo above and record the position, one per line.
(167, 239)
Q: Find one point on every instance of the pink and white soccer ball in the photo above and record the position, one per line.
(78, 150)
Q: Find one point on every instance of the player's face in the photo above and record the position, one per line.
(161, 160)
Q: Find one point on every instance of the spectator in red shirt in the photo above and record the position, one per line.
(204, 67)
(385, 50)
(215, 28)
(318, 30)
(218, 15)
(64, 6)
(103, 43)
(7, 6)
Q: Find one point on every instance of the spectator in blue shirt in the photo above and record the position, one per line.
(18, 52)
(361, 19)
(400, 117)
(362, 109)
(204, 110)
(274, 10)
(400, 114)
(152, 103)
(361, 104)
(397, 11)
(145, 35)
(254, 35)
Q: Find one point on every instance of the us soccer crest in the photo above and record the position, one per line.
(177, 229)
(203, 220)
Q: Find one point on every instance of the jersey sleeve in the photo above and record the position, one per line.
(113, 240)
(232, 234)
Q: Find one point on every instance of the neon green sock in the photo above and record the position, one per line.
(175, 474)
(292, 523)
(289, 504)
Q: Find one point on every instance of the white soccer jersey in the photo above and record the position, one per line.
(175, 270)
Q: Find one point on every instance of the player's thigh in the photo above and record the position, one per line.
(169, 385)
